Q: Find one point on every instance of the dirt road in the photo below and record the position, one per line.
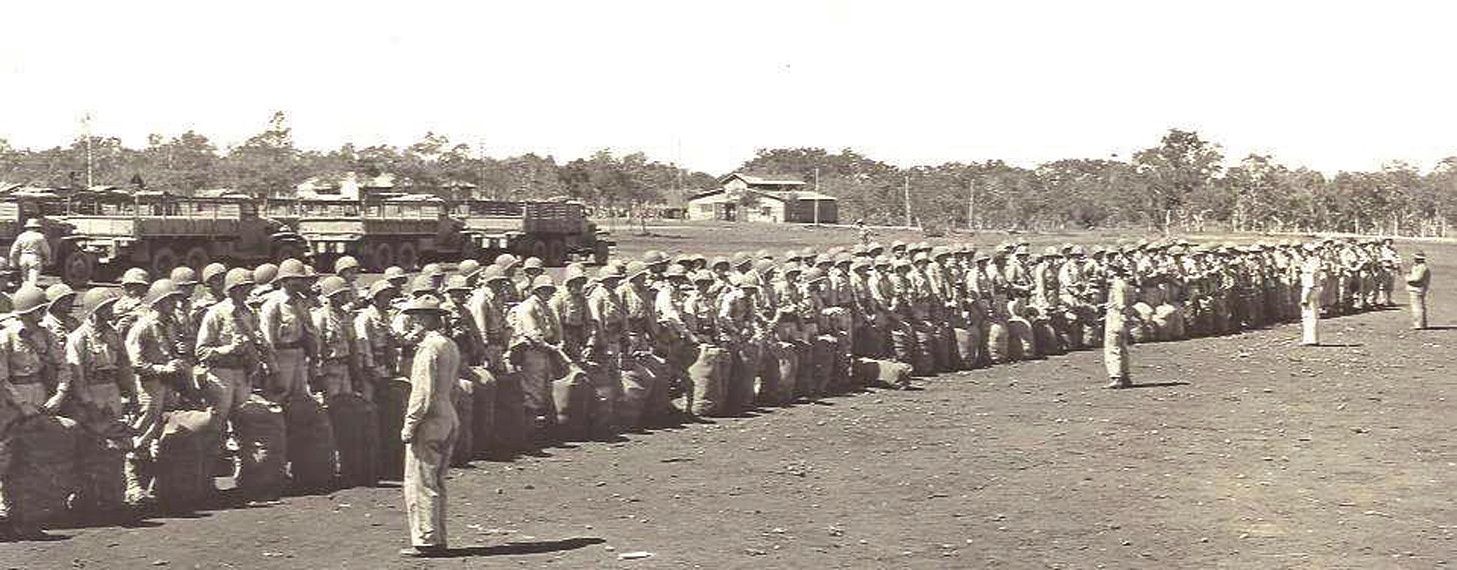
(1243, 451)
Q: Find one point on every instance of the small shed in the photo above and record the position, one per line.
(775, 199)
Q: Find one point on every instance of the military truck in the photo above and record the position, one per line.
(110, 231)
(555, 231)
(405, 230)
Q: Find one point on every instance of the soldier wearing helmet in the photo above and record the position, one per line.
(134, 284)
(339, 370)
(34, 378)
(60, 300)
(536, 342)
(488, 309)
(637, 302)
(608, 315)
(287, 327)
(30, 252)
(347, 268)
(230, 352)
(378, 349)
(154, 347)
(570, 305)
(460, 326)
(213, 278)
(102, 385)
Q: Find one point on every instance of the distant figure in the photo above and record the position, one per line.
(1311, 278)
(1115, 328)
(1417, 281)
(864, 232)
(30, 252)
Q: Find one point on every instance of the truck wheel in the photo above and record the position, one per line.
(162, 262)
(197, 258)
(556, 253)
(381, 256)
(78, 268)
(600, 253)
(406, 257)
(532, 247)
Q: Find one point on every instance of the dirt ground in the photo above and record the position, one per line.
(1245, 451)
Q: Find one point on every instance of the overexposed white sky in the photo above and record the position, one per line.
(1331, 85)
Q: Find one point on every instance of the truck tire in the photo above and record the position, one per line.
(556, 253)
(162, 261)
(407, 257)
(533, 247)
(381, 256)
(78, 268)
(197, 257)
(601, 252)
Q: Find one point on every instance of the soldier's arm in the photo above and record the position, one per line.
(208, 337)
(422, 386)
(364, 342)
(56, 361)
(268, 317)
(76, 349)
(136, 340)
(45, 252)
(7, 390)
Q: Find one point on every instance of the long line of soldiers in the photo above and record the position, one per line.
(524, 360)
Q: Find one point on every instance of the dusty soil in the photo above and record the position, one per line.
(1243, 451)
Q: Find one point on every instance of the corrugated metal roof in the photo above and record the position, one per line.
(766, 179)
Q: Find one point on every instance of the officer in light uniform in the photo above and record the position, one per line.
(30, 253)
(1115, 327)
(429, 430)
(1418, 281)
(1312, 277)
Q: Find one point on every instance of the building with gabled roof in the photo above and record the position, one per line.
(763, 198)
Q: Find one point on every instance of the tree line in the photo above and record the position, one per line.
(1181, 184)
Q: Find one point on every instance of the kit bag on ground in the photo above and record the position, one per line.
(261, 432)
(310, 444)
(356, 435)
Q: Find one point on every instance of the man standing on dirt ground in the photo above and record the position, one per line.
(1417, 282)
(30, 252)
(1115, 327)
(1311, 279)
(864, 232)
(429, 430)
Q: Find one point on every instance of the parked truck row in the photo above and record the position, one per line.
(96, 234)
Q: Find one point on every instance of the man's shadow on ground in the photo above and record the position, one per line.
(519, 548)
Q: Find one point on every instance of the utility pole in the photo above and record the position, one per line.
(86, 126)
(907, 188)
(817, 197)
(970, 203)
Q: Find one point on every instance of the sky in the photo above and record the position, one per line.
(1329, 85)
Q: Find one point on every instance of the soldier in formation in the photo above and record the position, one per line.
(413, 373)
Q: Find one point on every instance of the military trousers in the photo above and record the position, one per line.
(427, 460)
(1418, 308)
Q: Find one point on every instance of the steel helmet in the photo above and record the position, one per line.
(814, 275)
(574, 272)
(265, 273)
(493, 273)
(468, 268)
(425, 304)
(135, 276)
(344, 263)
(333, 285)
(431, 269)
(532, 263)
(33, 224)
(421, 284)
(636, 269)
(542, 282)
(456, 282)
(654, 257)
(394, 272)
(702, 277)
(29, 299)
(162, 289)
(213, 271)
(98, 297)
(59, 291)
(610, 271)
(291, 269)
(717, 261)
(676, 271)
(183, 275)
(741, 259)
(380, 287)
(238, 277)
(506, 261)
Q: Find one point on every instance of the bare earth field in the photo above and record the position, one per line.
(1245, 451)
